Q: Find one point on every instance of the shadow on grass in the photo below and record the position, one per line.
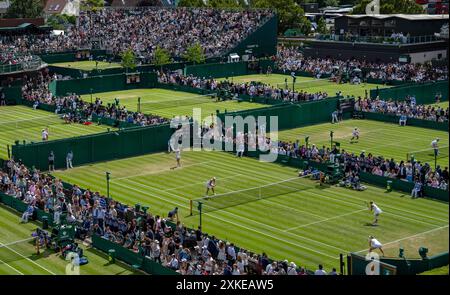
(123, 265)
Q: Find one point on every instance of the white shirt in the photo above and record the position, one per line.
(320, 272)
(434, 144)
(376, 209)
(374, 243)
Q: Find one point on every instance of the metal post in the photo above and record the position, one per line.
(91, 95)
(331, 139)
(435, 159)
(107, 183)
(200, 211)
(139, 104)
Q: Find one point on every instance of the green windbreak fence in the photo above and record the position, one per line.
(21, 207)
(95, 148)
(357, 264)
(69, 56)
(217, 70)
(424, 92)
(13, 94)
(101, 84)
(135, 259)
(293, 115)
(410, 122)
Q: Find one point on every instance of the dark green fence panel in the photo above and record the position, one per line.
(403, 186)
(262, 42)
(97, 147)
(410, 122)
(102, 84)
(293, 115)
(217, 70)
(131, 257)
(13, 94)
(424, 92)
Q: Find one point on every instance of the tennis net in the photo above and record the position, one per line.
(172, 103)
(234, 198)
(427, 155)
(304, 84)
(30, 123)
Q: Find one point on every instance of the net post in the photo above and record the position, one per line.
(190, 207)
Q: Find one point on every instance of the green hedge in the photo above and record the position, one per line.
(410, 122)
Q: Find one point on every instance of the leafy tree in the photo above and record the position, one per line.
(161, 57)
(322, 26)
(391, 7)
(128, 59)
(25, 9)
(194, 53)
(290, 14)
(191, 3)
(223, 4)
(92, 4)
(60, 21)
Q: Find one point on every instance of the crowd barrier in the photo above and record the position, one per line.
(424, 92)
(96, 147)
(443, 126)
(101, 84)
(357, 264)
(137, 260)
(21, 207)
(12, 94)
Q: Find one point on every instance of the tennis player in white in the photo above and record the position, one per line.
(435, 146)
(355, 134)
(210, 185)
(375, 244)
(178, 157)
(376, 212)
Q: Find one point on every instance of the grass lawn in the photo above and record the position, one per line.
(310, 85)
(168, 103)
(443, 104)
(441, 271)
(310, 226)
(87, 65)
(379, 138)
(19, 256)
(24, 123)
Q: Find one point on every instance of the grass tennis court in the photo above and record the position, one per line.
(308, 84)
(18, 255)
(443, 104)
(23, 123)
(168, 103)
(310, 226)
(379, 138)
(87, 65)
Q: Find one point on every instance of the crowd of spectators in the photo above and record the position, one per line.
(36, 89)
(145, 28)
(291, 59)
(407, 108)
(187, 251)
(252, 89)
(10, 55)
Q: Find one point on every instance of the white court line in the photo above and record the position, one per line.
(23, 256)
(324, 220)
(19, 241)
(241, 217)
(159, 171)
(298, 245)
(413, 236)
(13, 268)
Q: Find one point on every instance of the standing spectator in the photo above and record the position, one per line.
(51, 162)
(320, 271)
(69, 159)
